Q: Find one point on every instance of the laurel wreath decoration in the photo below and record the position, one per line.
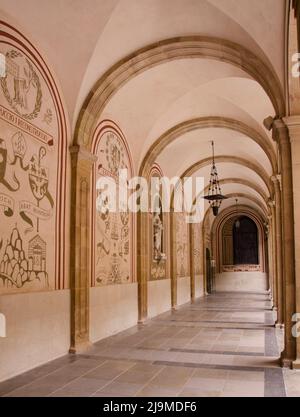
(35, 81)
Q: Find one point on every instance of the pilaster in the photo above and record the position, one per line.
(276, 179)
(281, 135)
(82, 163)
(293, 125)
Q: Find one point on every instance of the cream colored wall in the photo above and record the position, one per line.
(199, 286)
(159, 297)
(241, 281)
(183, 290)
(37, 329)
(113, 308)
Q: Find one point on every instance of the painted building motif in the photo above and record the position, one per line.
(112, 258)
(182, 245)
(32, 168)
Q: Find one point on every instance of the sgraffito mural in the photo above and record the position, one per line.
(158, 232)
(198, 250)
(182, 245)
(112, 231)
(32, 164)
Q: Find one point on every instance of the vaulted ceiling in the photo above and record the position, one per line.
(83, 40)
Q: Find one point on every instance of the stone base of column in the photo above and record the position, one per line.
(80, 348)
(143, 321)
(275, 308)
(174, 308)
(286, 362)
(296, 364)
(279, 325)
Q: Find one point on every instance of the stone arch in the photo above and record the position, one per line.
(189, 172)
(168, 50)
(234, 160)
(247, 183)
(221, 220)
(122, 72)
(201, 123)
(252, 199)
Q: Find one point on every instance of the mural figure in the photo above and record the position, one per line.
(3, 168)
(157, 236)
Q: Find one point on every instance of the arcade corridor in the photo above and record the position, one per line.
(149, 198)
(223, 345)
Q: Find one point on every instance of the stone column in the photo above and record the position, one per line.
(272, 255)
(204, 245)
(281, 135)
(82, 163)
(279, 255)
(293, 124)
(173, 259)
(192, 261)
(143, 254)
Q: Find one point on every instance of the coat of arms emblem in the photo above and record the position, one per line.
(21, 86)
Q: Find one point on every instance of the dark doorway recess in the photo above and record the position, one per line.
(209, 277)
(245, 242)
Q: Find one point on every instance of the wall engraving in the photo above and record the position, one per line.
(112, 230)
(182, 245)
(31, 171)
(158, 234)
(198, 249)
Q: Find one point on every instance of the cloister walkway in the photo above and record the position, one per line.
(222, 345)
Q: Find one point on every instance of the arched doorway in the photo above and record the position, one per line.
(240, 250)
(245, 242)
(209, 277)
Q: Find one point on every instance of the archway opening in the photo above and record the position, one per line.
(245, 242)
(209, 278)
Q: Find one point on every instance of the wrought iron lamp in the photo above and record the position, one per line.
(214, 196)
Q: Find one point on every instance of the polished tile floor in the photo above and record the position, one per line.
(222, 346)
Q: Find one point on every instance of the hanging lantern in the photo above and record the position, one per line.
(214, 196)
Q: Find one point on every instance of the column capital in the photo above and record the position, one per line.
(280, 133)
(276, 180)
(80, 154)
(293, 125)
(271, 203)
